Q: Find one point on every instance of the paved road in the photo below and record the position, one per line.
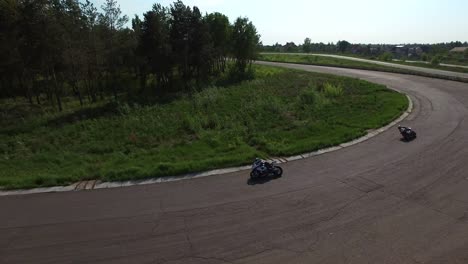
(394, 65)
(381, 201)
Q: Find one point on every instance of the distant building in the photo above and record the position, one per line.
(359, 49)
(415, 51)
(459, 49)
(375, 49)
(400, 51)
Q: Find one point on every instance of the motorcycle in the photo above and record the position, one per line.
(262, 169)
(407, 133)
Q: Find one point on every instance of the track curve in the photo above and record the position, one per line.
(381, 201)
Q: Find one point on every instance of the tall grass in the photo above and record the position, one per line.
(281, 112)
(331, 90)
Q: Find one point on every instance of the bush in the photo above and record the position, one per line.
(331, 90)
(436, 60)
(308, 97)
(387, 56)
(424, 57)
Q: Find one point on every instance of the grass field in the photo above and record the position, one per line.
(344, 63)
(281, 112)
(431, 66)
(326, 61)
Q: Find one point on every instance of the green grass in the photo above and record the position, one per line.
(325, 61)
(282, 112)
(431, 66)
(344, 63)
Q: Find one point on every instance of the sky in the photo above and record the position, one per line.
(357, 21)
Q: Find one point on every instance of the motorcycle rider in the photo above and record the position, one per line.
(261, 163)
(263, 168)
(404, 129)
(257, 162)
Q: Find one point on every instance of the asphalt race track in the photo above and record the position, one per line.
(381, 201)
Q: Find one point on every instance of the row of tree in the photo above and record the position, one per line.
(55, 48)
(307, 47)
(344, 46)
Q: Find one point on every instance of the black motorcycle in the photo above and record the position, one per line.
(262, 169)
(407, 133)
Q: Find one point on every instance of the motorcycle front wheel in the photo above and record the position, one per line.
(253, 174)
(278, 171)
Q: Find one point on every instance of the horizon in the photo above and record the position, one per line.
(358, 22)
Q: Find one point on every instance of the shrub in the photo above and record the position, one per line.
(331, 90)
(436, 60)
(308, 97)
(387, 56)
(311, 97)
(424, 57)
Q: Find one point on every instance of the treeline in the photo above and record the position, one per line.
(417, 51)
(50, 49)
(308, 46)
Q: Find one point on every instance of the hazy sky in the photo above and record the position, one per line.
(358, 21)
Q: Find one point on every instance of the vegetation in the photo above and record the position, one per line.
(436, 60)
(307, 46)
(433, 66)
(345, 63)
(281, 112)
(343, 46)
(325, 61)
(423, 52)
(53, 49)
(387, 56)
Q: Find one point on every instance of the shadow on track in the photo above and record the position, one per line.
(261, 180)
(407, 141)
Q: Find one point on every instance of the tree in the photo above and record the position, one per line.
(73, 23)
(245, 43)
(112, 17)
(180, 35)
(41, 47)
(154, 44)
(10, 57)
(63, 48)
(201, 48)
(220, 31)
(343, 46)
(93, 48)
(290, 47)
(112, 21)
(307, 46)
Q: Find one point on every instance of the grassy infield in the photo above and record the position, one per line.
(281, 112)
(430, 66)
(344, 63)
